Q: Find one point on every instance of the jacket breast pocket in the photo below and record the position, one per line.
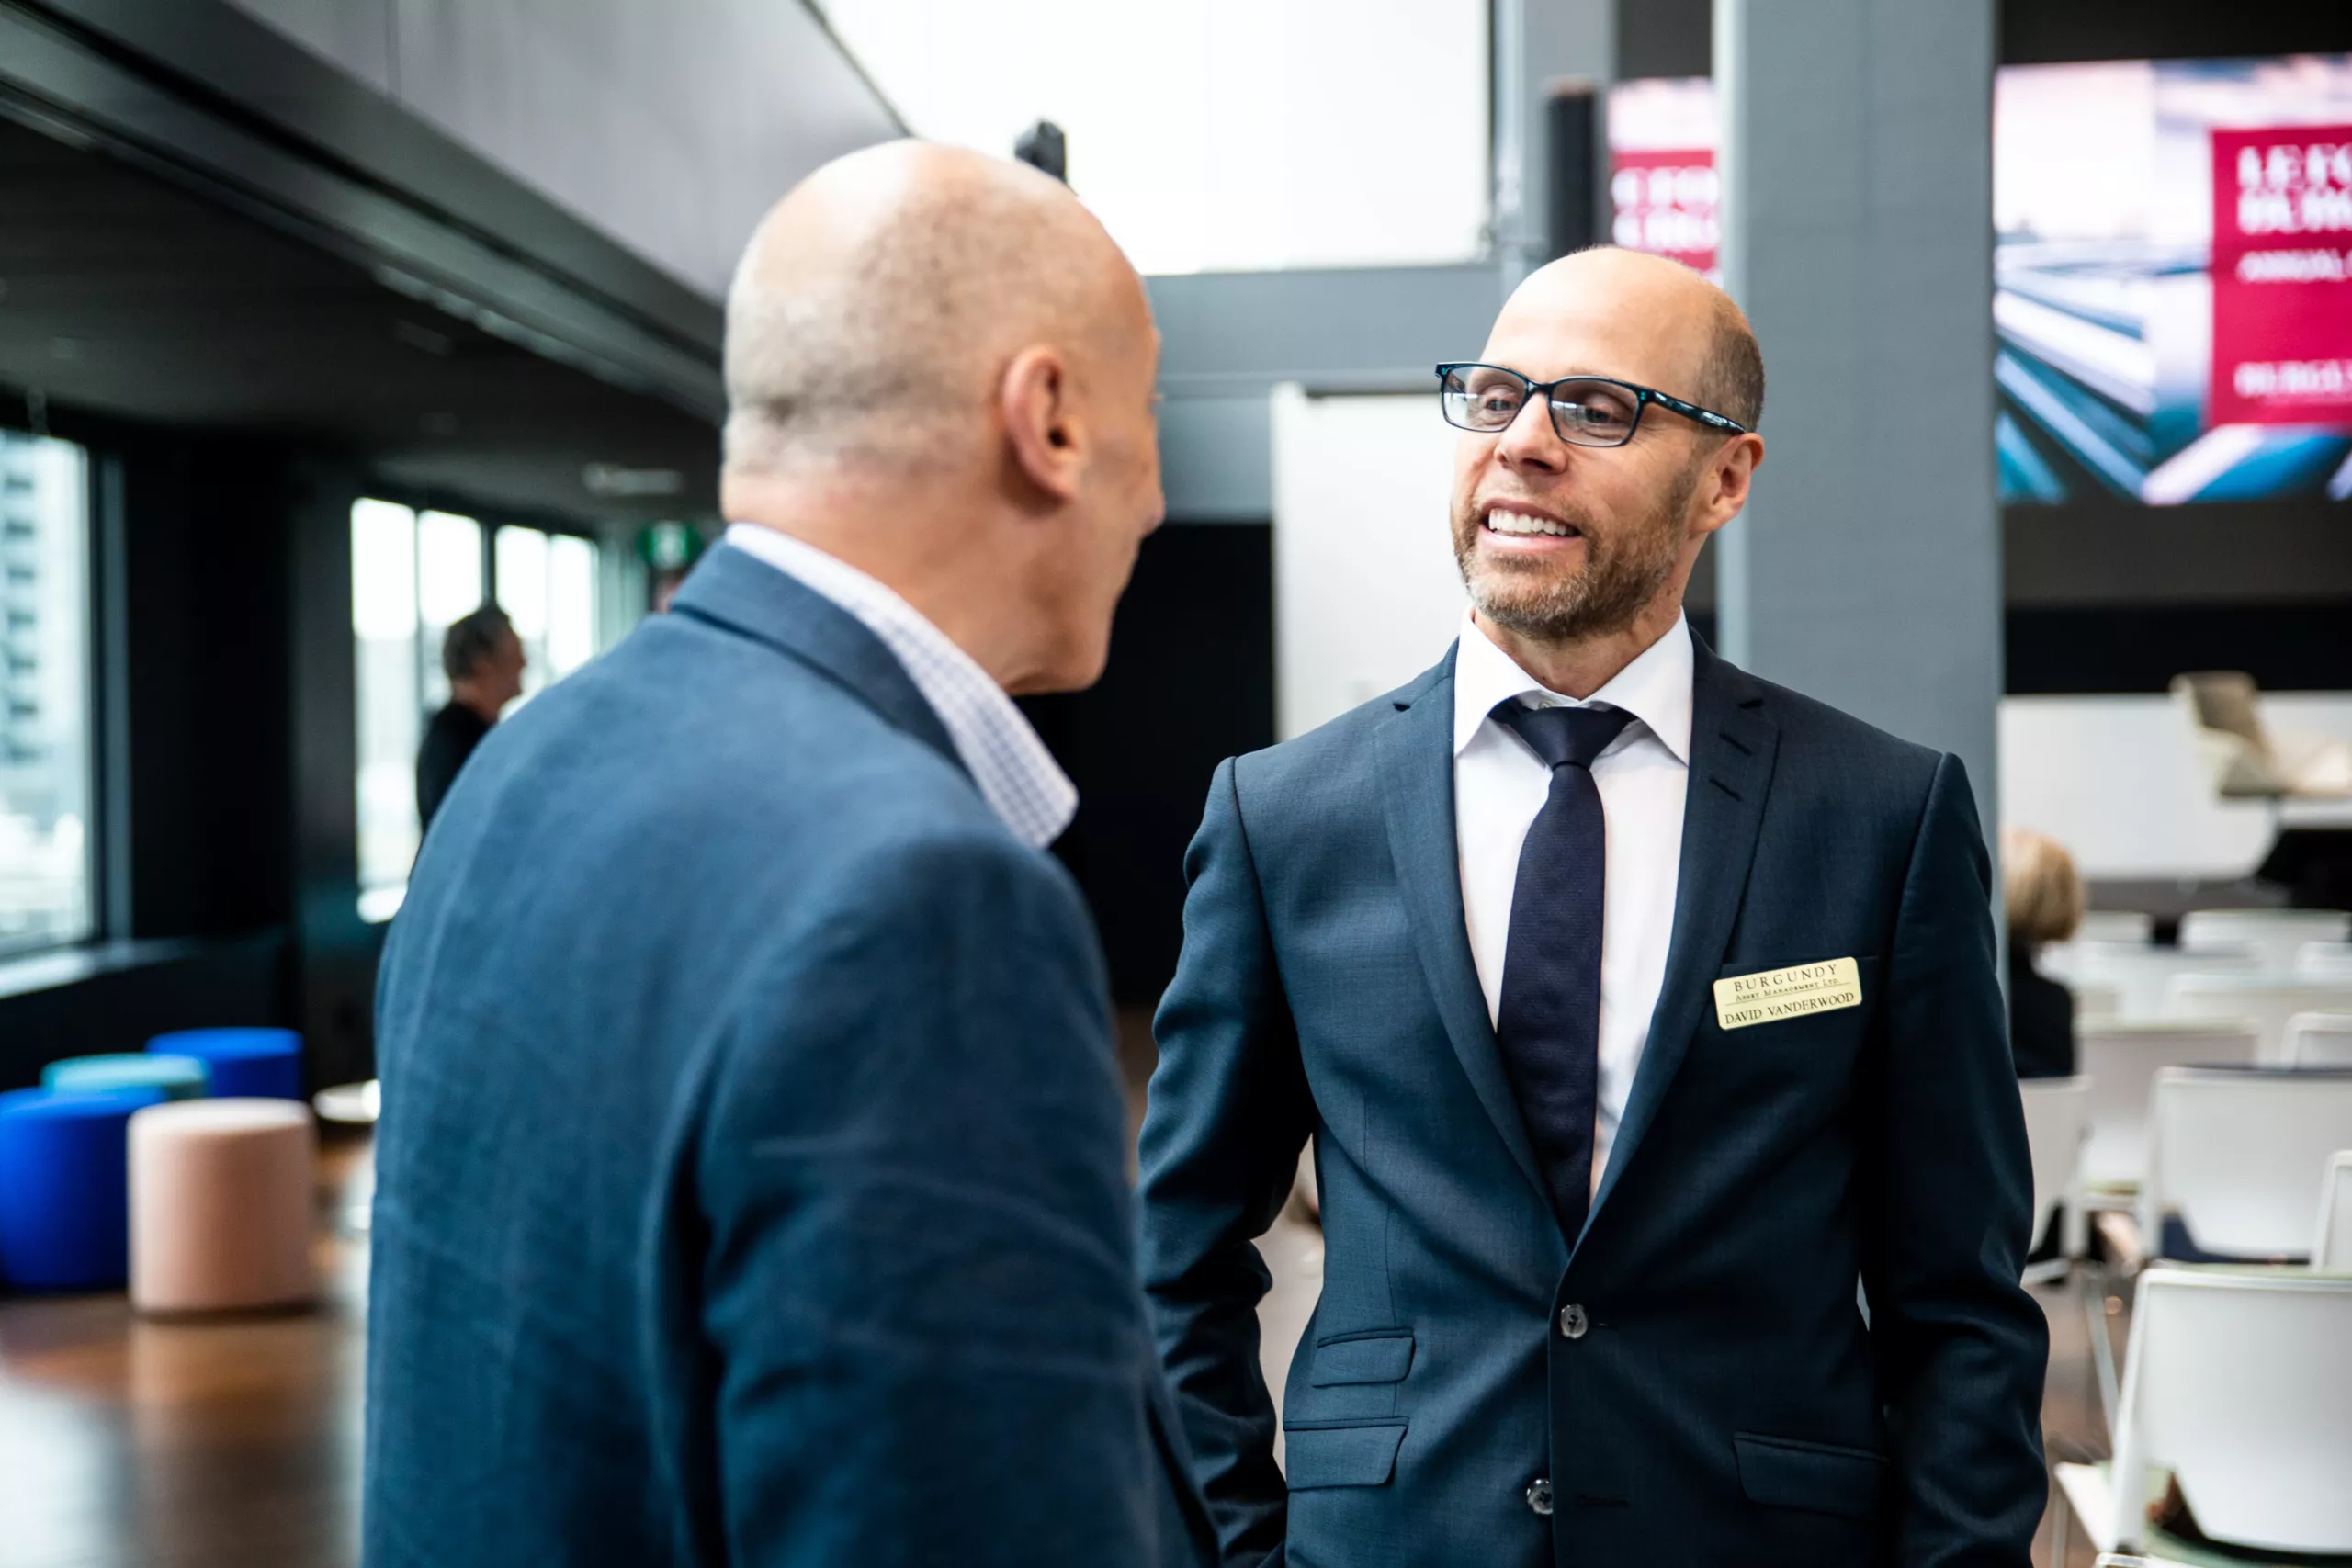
(1354, 1453)
(1824, 1478)
(1378, 1356)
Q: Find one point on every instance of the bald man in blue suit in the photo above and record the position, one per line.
(752, 1181)
(1638, 1011)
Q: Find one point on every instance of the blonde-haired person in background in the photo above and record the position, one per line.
(2044, 896)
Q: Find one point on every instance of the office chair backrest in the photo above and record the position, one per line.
(2319, 1040)
(2264, 1001)
(2126, 926)
(2056, 1115)
(2275, 937)
(2234, 1152)
(2332, 1248)
(2226, 726)
(2139, 974)
(2121, 1061)
(2238, 1383)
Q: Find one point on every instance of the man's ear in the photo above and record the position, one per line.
(1729, 478)
(1041, 422)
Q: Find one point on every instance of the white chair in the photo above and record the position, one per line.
(2332, 1248)
(2325, 962)
(2139, 976)
(2233, 1152)
(2129, 926)
(2097, 1004)
(2122, 1060)
(2238, 1384)
(2262, 1000)
(2275, 937)
(2056, 1116)
(2319, 1040)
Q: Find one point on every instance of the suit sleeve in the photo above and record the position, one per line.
(926, 1345)
(1229, 1111)
(1961, 1347)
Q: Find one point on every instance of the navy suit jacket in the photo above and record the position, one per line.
(752, 1169)
(1723, 1400)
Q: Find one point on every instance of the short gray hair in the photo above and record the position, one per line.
(473, 638)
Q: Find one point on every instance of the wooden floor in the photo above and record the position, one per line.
(126, 1443)
(133, 1444)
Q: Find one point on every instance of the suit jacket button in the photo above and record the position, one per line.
(1539, 1498)
(1573, 1322)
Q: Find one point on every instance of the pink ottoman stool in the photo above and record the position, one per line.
(220, 1205)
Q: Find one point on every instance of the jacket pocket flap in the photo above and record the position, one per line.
(1341, 1456)
(1373, 1358)
(1783, 1473)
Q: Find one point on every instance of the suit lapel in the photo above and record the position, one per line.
(1733, 742)
(1416, 750)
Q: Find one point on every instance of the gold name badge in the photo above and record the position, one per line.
(1792, 992)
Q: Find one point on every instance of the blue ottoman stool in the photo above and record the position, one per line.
(247, 1063)
(65, 1204)
(178, 1078)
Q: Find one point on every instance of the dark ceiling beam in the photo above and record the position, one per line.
(247, 118)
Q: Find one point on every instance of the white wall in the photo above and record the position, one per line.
(2117, 780)
(1366, 593)
(1217, 135)
(670, 127)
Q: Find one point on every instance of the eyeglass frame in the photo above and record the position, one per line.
(1643, 397)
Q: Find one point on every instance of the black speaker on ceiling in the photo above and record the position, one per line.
(1042, 146)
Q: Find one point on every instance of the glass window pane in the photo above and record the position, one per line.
(388, 659)
(572, 604)
(547, 584)
(448, 586)
(45, 805)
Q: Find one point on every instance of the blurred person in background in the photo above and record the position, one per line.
(2044, 893)
(752, 1163)
(485, 660)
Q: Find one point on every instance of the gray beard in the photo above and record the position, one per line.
(1618, 582)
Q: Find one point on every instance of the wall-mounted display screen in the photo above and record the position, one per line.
(2172, 268)
(2173, 279)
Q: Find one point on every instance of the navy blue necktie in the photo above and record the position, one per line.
(1549, 1022)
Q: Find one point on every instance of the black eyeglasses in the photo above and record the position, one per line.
(1587, 410)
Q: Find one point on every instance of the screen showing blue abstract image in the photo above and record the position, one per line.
(2173, 280)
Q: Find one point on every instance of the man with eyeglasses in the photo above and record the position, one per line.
(1638, 1009)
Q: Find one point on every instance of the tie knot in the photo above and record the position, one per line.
(1564, 735)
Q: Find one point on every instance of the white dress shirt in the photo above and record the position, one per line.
(1499, 785)
(1016, 775)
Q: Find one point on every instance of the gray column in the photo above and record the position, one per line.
(1858, 235)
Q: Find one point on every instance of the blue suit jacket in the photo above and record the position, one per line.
(752, 1175)
(1723, 1401)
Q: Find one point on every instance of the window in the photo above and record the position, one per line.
(412, 573)
(547, 583)
(44, 695)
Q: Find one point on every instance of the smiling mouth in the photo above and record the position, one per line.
(1510, 523)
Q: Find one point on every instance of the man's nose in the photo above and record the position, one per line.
(1530, 441)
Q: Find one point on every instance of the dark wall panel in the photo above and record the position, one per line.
(119, 1006)
(2286, 647)
(1190, 683)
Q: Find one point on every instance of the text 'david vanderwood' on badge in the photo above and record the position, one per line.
(1793, 992)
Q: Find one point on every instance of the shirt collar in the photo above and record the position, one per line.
(1015, 773)
(1655, 688)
